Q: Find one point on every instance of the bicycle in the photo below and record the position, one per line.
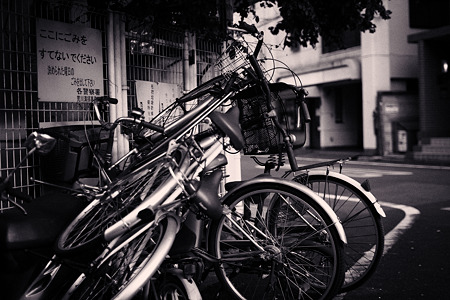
(44, 280)
(151, 262)
(147, 212)
(357, 208)
(29, 228)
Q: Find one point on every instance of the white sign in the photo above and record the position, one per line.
(391, 108)
(69, 62)
(153, 97)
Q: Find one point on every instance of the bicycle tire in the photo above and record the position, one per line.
(86, 231)
(296, 263)
(124, 273)
(362, 223)
(172, 289)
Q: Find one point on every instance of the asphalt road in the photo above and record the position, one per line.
(416, 199)
(416, 263)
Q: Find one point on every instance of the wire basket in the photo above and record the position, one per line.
(232, 59)
(261, 136)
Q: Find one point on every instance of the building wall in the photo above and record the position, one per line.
(434, 90)
(403, 55)
(385, 61)
(344, 130)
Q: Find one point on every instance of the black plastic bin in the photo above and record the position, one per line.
(72, 155)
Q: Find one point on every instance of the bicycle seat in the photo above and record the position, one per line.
(47, 216)
(228, 123)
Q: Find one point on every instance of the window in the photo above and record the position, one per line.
(349, 39)
(338, 107)
(428, 14)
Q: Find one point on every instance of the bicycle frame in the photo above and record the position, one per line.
(302, 188)
(166, 194)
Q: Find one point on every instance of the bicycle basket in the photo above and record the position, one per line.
(260, 133)
(232, 59)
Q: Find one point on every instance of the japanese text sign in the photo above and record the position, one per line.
(69, 61)
(154, 97)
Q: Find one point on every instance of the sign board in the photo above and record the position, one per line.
(69, 62)
(391, 108)
(153, 97)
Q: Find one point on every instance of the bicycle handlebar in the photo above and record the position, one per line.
(247, 27)
(109, 100)
(106, 99)
(5, 186)
(149, 125)
(301, 93)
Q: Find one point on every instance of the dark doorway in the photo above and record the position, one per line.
(314, 133)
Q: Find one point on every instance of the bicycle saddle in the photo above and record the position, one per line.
(47, 216)
(228, 123)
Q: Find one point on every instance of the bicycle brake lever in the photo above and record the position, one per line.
(257, 161)
(14, 203)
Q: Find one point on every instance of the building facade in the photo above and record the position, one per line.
(433, 44)
(374, 95)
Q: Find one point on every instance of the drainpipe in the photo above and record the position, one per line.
(111, 72)
(233, 168)
(118, 84)
(123, 60)
(187, 85)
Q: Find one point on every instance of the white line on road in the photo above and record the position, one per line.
(411, 213)
(362, 172)
(378, 163)
(300, 161)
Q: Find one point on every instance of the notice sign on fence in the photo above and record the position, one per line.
(69, 61)
(153, 97)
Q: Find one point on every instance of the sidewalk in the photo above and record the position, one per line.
(360, 155)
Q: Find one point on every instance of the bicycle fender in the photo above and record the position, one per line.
(355, 184)
(295, 185)
(189, 285)
(149, 269)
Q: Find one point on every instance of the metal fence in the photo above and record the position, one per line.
(155, 57)
(20, 111)
(150, 57)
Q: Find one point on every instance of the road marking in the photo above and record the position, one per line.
(446, 208)
(378, 163)
(365, 173)
(363, 162)
(411, 214)
(360, 172)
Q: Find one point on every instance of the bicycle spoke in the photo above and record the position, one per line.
(294, 257)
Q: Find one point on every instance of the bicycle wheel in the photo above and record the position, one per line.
(172, 289)
(124, 273)
(362, 224)
(86, 230)
(276, 243)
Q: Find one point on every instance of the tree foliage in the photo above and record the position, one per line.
(302, 21)
(194, 15)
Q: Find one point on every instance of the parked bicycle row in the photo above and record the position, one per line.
(162, 218)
